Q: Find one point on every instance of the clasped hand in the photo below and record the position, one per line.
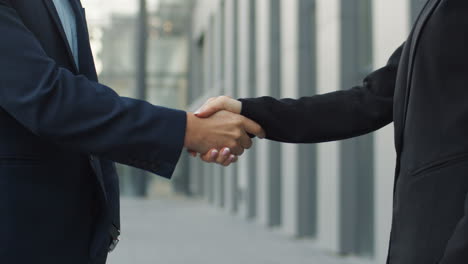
(218, 132)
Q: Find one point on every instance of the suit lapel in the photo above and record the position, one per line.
(55, 17)
(85, 54)
(419, 26)
(85, 59)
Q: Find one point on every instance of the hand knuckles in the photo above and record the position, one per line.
(224, 97)
(232, 144)
(237, 134)
(238, 121)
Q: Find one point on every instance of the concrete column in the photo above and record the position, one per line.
(268, 83)
(230, 85)
(356, 167)
(208, 181)
(218, 185)
(246, 87)
(328, 79)
(218, 81)
(208, 84)
(389, 33)
(197, 179)
(290, 180)
(193, 178)
(298, 161)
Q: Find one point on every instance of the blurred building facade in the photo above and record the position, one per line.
(338, 194)
(115, 42)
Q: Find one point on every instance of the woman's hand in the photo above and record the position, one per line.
(216, 104)
(212, 106)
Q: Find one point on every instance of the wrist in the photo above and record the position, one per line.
(188, 131)
(231, 105)
(191, 131)
(238, 106)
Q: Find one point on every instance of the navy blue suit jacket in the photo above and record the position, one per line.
(60, 132)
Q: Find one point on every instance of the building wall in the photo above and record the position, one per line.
(293, 48)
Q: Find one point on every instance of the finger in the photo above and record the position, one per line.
(223, 156)
(229, 161)
(211, 107)
(207, 102)
(253, 128)
(245, 141)
(237, 150)
(210, 156)
(235, 159)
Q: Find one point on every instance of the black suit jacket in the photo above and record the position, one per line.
(60, 133)
(424, 91)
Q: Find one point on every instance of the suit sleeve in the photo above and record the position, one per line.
(328, 117)
(79, 114)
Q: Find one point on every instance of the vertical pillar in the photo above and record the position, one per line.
(298, 161)
(247, 76)
(140, 177)
(216, 25)
(268, 83)
(205, 175)
(230, 85)
(197, 82)
(328, 76)
(357, 177)
(218, 185)
(221, 22)
(290, 179)
(197, 185)
(207, 86)
(388, 35)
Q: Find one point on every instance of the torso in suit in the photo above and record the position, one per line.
(60, 133)
(424, 91)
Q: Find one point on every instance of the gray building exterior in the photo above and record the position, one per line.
(165, 74)
(339, 194)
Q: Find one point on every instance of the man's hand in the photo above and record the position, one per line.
(216, 104)
(220, 131)
(212, 106)
(222, 157)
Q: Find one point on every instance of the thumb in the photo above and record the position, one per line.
(211, 107)
(253, 128)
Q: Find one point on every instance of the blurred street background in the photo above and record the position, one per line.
(282, 203)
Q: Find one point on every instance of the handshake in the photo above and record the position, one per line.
(218, 132)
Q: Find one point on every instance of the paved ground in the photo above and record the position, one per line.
(181, 231)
